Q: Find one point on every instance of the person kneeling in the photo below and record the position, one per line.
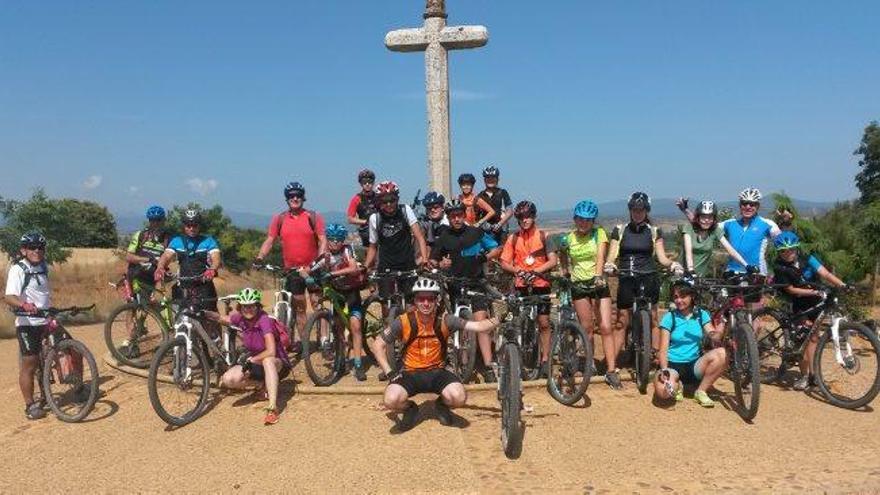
(268, 363)
(424, 333)
(681, 362)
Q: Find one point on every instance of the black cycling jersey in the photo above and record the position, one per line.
(499, 199)
(463, 248)
(395, 244)
(636, 246)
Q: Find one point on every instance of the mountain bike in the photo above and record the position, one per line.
(845, 364)
(638, 335)
(382, 306)
(571, 352)
(180, 373)
(66, 385)
(282, 306)
(526, 317)
(728, 305)
(135, 329)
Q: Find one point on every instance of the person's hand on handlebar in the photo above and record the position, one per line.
(446, 262)
(28, 307)
(610, 268)
(676, 268)
(209, 274)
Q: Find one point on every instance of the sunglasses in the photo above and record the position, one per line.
(296, 197)
(389, 201)
(190, 225)
(426, 298)
(748, 204)
(365, 182)
(35, 248)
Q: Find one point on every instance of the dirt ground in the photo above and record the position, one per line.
(615, 442)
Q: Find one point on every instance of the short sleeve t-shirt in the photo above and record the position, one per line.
(583, 251)
(36, 292)
(299, 241)
(797, 274)
(526, 251)
(750, 241)
(253, 334)
(411, 220)
(148, 243)
(426, 350)
(192, 253)
(703, 247)
(498, 199)
(686, 335)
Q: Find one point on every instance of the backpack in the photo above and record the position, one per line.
(313, 222)
(42, 269)
(282, 334)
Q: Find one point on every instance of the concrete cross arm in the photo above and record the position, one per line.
(457, 37)
(407, 40)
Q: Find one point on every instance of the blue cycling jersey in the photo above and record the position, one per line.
(750, 241)
(192, 253)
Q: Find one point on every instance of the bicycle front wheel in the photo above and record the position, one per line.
(323, 348)
(133, 332)
(70, 380)
(571, 359)
(510, 388)
(850, 379)
(179, 382)
(771, 337)
(530, 350)
(642, 358)
(744, 369)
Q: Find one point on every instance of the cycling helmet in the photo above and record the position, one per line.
(454, 206)
(433, 199)
(786, 240)
(491, 171)
(387, 187)
(336, 232)
(639, 199)
(294, 189)
(525, 209)
(33, 240)
(685, 285)
(467, 179)
(707, 208)
(424, 284)
(586, 209)
(366, 175)
(155, 212)
(192, 216)
(751, 195)
(249, 296)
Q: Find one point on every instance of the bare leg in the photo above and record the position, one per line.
(544, 327)
(609, 337)
(270, 368)
(484, 339)
(712, 365)
(454, 395)
(26, 373)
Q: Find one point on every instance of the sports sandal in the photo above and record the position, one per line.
(703, 399)
(271, 416)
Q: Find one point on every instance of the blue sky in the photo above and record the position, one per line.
(132, 103)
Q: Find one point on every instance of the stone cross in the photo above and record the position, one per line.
(436, 39)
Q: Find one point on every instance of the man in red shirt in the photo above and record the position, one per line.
(302, 240)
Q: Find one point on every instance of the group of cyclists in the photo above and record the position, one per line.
(459, 237)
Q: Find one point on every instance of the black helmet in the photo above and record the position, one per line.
(192, 216)
(639, 199)
(294, 189)
(454, 206)
(525, 209)
(491, 171)
(467, 179)
(366, 175)
(433, 199)
(686, 286)
(33, 240)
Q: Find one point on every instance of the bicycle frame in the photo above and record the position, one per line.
(828, 307)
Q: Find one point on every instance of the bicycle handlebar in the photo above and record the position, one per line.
(52, 312)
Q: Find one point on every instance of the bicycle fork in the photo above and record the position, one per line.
(843, 352)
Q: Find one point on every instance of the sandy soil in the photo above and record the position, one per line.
(616, 442)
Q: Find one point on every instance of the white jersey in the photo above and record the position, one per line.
(36, 292)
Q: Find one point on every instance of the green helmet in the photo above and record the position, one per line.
(249, 296)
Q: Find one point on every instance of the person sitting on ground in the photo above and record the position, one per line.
(267, 362)
(424, 332)
(681, 360)
(796, 272)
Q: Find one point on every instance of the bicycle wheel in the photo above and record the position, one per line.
(462, 351)
(530, 350)
(571, 355)
(510, 388)
(133, 332)
(772, 342)
(642, 332)
(179, 382)
(324, 348)
(744, 369)
(70, 380)
(394, 352)
(852, 379)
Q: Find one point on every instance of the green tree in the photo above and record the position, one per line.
(36, 214)
(868, 178)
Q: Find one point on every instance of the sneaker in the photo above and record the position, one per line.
(703, 399)
(444, 415)
(803, 383)
(81, 395)
(34, 411)
(271, 416)
(612, 378)
(679, 394)
(382, 376)
(409, 416)
(359, 373)
(489, 375)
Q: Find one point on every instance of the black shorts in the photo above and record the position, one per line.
(30, 339)
(297, 286)
(387, 287)
(686, 372)
(579, 291)
(543, 308)
(427, 382)
(628, 286)
(258, 374)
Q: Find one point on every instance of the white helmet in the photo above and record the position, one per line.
(707, 208)
(750, 194)
(424, 284)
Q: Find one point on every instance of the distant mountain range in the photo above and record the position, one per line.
(662, 208)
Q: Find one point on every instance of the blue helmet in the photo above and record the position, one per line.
(786, 240)
(586, 209)
(433, 199)
(336, 232)
(155, 212)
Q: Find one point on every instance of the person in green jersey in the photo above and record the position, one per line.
(583, 258)
(702, 236)
(144, 250)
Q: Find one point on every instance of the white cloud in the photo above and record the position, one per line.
(92, 182)
(134, 189)
(202, 186)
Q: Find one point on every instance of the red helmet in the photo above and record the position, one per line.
(387, 187)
